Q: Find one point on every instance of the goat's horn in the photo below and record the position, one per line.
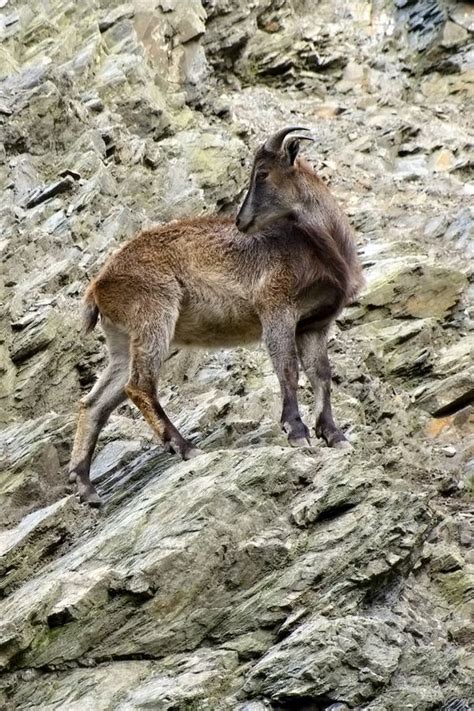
(297, 137)
(273, 144)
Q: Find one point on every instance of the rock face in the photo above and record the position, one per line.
(255, 577)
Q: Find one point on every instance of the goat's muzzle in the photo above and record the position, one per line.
(244, 226)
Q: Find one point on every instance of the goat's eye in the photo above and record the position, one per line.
(262, 175)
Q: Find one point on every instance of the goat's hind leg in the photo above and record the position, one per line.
(95, 409)
(313, 352)
(149, 349)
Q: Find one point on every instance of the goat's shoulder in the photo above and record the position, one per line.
(187, 226)
(157, 241)
(183, 227)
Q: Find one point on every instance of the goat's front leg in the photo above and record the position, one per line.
(313, 352)
(279, 337)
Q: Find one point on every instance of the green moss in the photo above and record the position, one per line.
(457, 587)
(40, 643)
(469, 485)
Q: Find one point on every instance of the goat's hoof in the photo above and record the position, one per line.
(72, 476)
(94, 500)
(192, 453)
(88, 495)
(299, 442)
(169, 447)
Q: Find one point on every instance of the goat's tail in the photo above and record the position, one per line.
(90, 312)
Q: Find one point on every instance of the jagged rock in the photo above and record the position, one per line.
(253, 706)
(453, 387)
(118, 13)
(453, 35)
(230, 26)
(298, 55)
(456, 705)
(444, 559)
(31, 459)
(413, 287)
(129, 579)
(352, 643)
(7, 383)
(25, 177)
(39, 535)
(33, 333)
(463, 15)
(423, 20)
(195, 171)
(200, 487)
(456, 357)
(401, 348)
(442, 397)
(41, 194)
(461, 231)
(178, 681)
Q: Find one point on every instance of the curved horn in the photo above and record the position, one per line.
(291, 145)
(273, 143)
(297, 137)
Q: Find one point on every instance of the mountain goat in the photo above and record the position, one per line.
(281, 272)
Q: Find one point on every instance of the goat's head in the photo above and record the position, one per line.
(276, 185)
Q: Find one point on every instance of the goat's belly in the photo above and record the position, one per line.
(221, 328)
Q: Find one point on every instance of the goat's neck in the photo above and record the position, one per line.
(307, 218)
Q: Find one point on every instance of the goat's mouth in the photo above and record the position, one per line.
(247, 227)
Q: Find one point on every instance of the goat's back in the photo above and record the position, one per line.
(214, 279)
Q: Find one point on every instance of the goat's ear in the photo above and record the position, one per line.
(291, 146)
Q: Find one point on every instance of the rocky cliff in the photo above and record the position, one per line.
(255, 577)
